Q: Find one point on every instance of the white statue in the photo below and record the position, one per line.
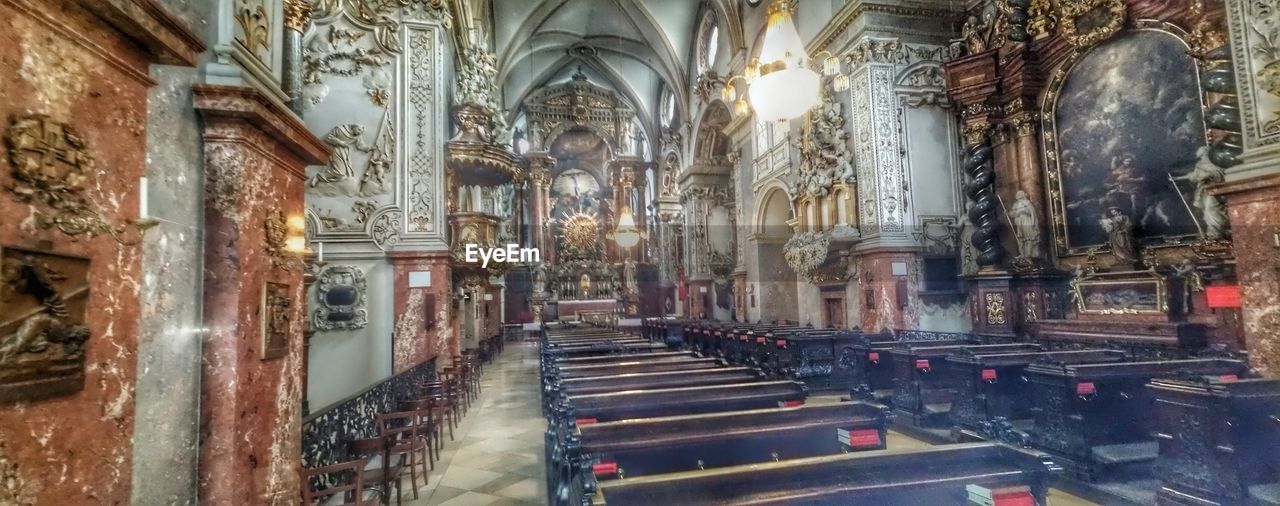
(1026, 224)
(629, 274)
(1212, 213)
(539, 278)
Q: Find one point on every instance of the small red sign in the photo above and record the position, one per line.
(604, 468)
(585, 421)
(922, 364)
(1223, 296)
(717, 333)
(743, 338)
(791, 404)
(873, 356)
(759, 340)
(1228, 378)
(782, 343)
(1086, 388)
(988, 374)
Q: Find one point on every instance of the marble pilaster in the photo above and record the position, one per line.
(423, 322)
(255, 157)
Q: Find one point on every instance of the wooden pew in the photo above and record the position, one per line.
(921, 391)
(607, 359)
(635, 366)
(648, 381)
(684, 443)
(1219, 441)
(680, 401)
(991, 386)
(604, 348)
(935, 476)
(658, 380)
(870, 364)
(1097, 417)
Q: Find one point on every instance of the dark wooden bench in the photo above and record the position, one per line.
(637, 365)
(634, 448)
(995, 386)
(655, 380)
(609, 359)
(1098, 417)
(1219, 441)
(680, 401)
(934, 476)
(870, 364)
(921, 390)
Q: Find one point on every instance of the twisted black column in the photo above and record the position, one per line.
(1017, 17)
(1225, 113)
(982, 193)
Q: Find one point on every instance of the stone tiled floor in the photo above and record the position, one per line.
(496, 457)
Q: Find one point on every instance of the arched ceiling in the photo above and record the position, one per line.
(635, 45)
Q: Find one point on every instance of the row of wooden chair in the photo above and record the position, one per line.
(408, 439)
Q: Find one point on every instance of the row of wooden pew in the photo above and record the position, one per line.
(1186, 431)
(636, 424)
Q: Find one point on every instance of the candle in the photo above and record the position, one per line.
(319, 252)
(142, 197)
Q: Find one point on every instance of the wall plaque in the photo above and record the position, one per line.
(43, 297)
(276, 317)
(340, 295)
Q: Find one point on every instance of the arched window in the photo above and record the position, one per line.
(668, 112)
(708, 42)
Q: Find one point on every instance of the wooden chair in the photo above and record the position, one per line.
(444, 409)
(392, 451)
(349, 475)
(428, 429)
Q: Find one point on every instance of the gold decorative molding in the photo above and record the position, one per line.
(276, 230)
(1071, 12)
(297, 14)
(995, 308)
(51, 166)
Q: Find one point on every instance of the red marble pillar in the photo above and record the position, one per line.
(256, 153)
(884, 295)
(423, 328)
(78, 72)
(1253, 206)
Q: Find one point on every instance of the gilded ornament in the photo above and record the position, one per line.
(995, 308)
(51, 165)
(255, 28)
(276, 237)
(297, 13)
(1087, 22)
(1043, 18)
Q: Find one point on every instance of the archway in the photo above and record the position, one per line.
(771, 290)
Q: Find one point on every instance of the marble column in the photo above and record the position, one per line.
(297, 15)
(539, 182)
(256, 154)
(1252, 189)
(423, 294)
(75, 95)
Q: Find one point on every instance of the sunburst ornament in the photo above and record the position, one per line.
(581, 231)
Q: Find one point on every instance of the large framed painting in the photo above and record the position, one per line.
(1122, 123)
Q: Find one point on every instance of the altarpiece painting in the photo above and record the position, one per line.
(1127, 121)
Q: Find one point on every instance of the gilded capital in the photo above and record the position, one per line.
(297, 13)
(975, 132)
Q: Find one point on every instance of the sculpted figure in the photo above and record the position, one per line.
(1027, 225)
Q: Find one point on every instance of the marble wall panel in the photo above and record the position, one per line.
(66, 63)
